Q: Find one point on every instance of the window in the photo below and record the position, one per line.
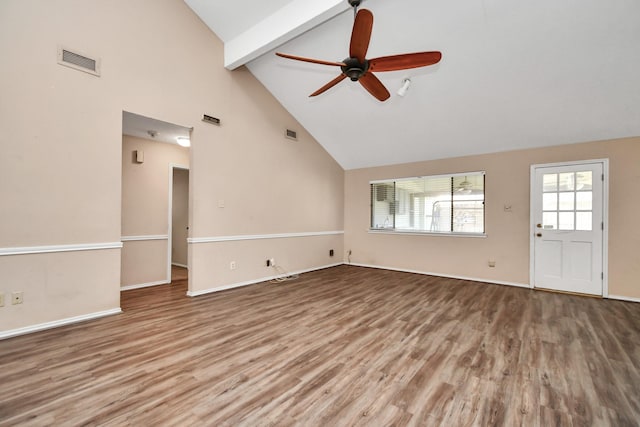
(444, 204)
(567, 201)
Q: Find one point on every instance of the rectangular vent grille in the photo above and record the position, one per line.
(291, 134)
(78, 61)
(211, 119)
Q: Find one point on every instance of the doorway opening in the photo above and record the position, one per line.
(151, 151)
(178, 221)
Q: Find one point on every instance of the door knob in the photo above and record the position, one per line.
(539, 225)
(539, 234)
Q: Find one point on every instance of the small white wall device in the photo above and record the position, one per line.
(139, 156)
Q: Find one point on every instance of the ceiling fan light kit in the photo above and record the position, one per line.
(360, 69)
(406, 82)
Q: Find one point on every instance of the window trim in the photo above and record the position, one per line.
(425, 233)
(443, 175)
(394, 231)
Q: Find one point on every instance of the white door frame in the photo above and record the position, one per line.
(605, 218)
(172, 166)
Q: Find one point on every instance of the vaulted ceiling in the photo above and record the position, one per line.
(513, 74)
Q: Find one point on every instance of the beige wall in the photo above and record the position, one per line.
(250, 258)
(507, 241)
(145, 186)
(267, 184)
(61, 142)
(145, 204)
(144, 263)
(180, 217)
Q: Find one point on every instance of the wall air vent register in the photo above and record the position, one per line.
(291, 134)
(78, 61)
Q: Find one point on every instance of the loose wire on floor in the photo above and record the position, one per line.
(283, 275)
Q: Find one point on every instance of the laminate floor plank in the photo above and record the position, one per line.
(345, 346)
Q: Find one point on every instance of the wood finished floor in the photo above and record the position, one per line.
(179, 275)
(338, 347)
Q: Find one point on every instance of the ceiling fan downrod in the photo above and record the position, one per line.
(354, 4)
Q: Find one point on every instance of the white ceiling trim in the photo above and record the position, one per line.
(287, 23)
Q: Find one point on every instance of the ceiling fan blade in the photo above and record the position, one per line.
(374, 86)
(361, 35)
(405, 61)
(329, 85)
(313, 61)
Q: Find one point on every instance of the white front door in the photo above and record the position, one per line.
(567, 224)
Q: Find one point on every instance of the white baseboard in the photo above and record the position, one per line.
(621, 298)
(179, 265)
(254, 281)
(56, 323)
(144, 285)
(448, 276)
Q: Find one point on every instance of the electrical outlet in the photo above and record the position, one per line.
(330, 252)
(1, 300)
(16, 298)
(492, 263)
(232, 265)
(268, 263)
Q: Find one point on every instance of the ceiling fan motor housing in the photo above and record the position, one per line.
(354, 69)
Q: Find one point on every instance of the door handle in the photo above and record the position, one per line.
(538, 234)
(539, 225)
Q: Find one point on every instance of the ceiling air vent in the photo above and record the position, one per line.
(291, 134)
(78, 61)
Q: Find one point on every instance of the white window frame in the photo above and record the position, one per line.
(403, 231)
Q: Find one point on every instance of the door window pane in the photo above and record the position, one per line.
(567, 181)
(565, 221)
(550, 220)
(566, 201)
(550, 201)
(584, 180)
(583, 221)
(550, 182)
(584, 200)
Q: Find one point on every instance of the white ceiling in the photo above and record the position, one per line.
(514, 74)
(152, 129)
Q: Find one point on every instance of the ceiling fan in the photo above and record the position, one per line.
(464, 186)
(358, 68)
